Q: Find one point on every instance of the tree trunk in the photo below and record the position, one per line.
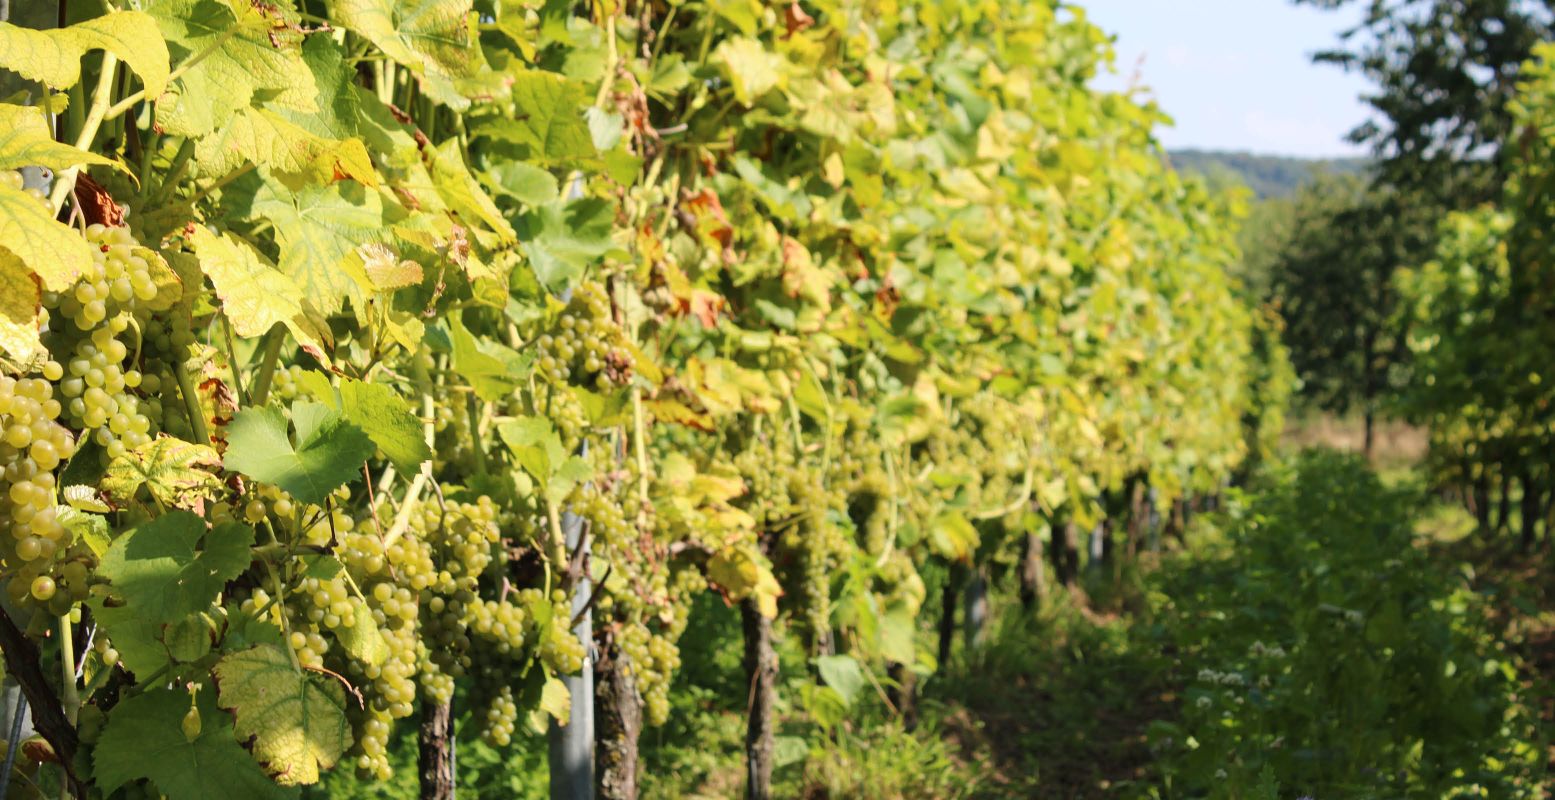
(1033, 581)
(904, 694)
(619, 723)
(1369, 438)
(761, 667)
(976, 610)
(1481, 503)
(1532, 508)
(1177, 525)
(947, 614)
(435, 756)
(1138, 518)
(1504, 506)
(1066, 554)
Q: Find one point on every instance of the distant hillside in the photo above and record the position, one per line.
(1267, 176)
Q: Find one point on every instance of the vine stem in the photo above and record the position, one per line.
(101, 96)
(191, 401)
(267, 364)
(68, 694)
(639, 443)
(178, 72)
(418, 483)
(232, 359)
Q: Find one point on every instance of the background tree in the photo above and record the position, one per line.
(1444, 72)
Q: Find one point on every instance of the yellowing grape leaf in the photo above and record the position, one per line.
(241, 52)
(178, 474)
(744, 573)
(133, 37)
(952, 537)
(752, 70)
(254, 295)
(293, 721)
(20, 304)
(25, 141)
(318, 227)
(144, 739)
(269, 140)
(42, 56)
(363, 640)
(385, 270)
(53, 57)
(556, 700)
(28, 229)
(434, 38)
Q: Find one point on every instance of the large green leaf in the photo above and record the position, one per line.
(563, 239)
(328, 453)
(493, 378)
(158, 578)
(378, 411)
(538, 448)
(294, 721)
(145, 739)
(549, 118)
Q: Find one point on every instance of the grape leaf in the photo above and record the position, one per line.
(144, 739)
(843, 674)
(296, 720)
(744, 573)
(459, 189)
(491, 377)
(752, 69)
(434, 38)
(537, 447)
(178, 474)
(379, 412)
(556, 700)
(25, 141)
(48, 247)
(133, 36)
(42, 56)
(20, 304)
(318, 227)
(270, 140)
(158, 578)
(254, 295)
(562, 239)
(241, 53)
(525, 183)
(53, 57)
(328, 454)
(363, 640)
(548, 118)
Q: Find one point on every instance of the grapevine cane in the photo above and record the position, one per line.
(10, 746)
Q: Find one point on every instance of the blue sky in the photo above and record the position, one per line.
(1237, 74)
